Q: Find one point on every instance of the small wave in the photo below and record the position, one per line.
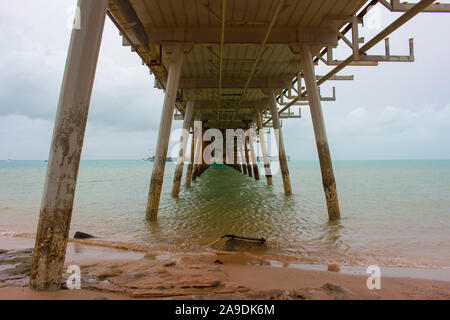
(12, 234)
(113, 245)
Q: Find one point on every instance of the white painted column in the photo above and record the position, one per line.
(65, 151)
(280, 142)
(262, 141)
(183, 145)
(329, 184)
(159, 164)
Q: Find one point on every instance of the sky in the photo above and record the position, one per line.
(393, 111)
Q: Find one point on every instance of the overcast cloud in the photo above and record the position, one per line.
(394, 111)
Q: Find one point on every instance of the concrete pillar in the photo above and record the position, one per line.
(280, 142)
(202, 167)
(159, 164)
(198, 134)
(191, 163)
(253, 154)
(238, 158)
(247, 158)
(262, 141)
(329, 184)
(242, 156)
(236, 164)
(65, 152)
(182, 153)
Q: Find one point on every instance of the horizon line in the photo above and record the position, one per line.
(386, 159)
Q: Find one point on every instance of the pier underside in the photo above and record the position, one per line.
(224, 64)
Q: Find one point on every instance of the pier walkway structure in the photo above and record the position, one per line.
(227, 64)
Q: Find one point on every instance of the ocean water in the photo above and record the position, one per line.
(394, 213)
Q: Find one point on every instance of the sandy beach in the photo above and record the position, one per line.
(113, 273)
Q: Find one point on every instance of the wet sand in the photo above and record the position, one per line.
(113, 273)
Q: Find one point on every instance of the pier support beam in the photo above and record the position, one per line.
(159, 164)
(241, 147)
(252, 152)
(198, 136)
(238, 157)
(182, 153)
(329, 184)
(65, 152)
(236, 165)
(191, 163)
(247, 158)
(203, 166)
(280, 142)
(262, 141)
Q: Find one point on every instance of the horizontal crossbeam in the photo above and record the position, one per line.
(226, 104)
(213, 83)
(243, 35)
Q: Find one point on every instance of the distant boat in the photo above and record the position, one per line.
(152, 159)
(271, 158)
(149, 159)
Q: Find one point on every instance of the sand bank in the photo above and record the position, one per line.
(111, 273)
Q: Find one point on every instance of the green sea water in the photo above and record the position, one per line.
(394, 213)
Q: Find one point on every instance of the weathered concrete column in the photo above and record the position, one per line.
(65, 152)
(247, 158)
(280, 142)
(238, 157)
(202, 167)
(262, 141)
(329, 184)
(159, 164)
(253, 154)
(236, 165)
(242, 156)
(198, 135)
(191, 163)
(182, 153)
